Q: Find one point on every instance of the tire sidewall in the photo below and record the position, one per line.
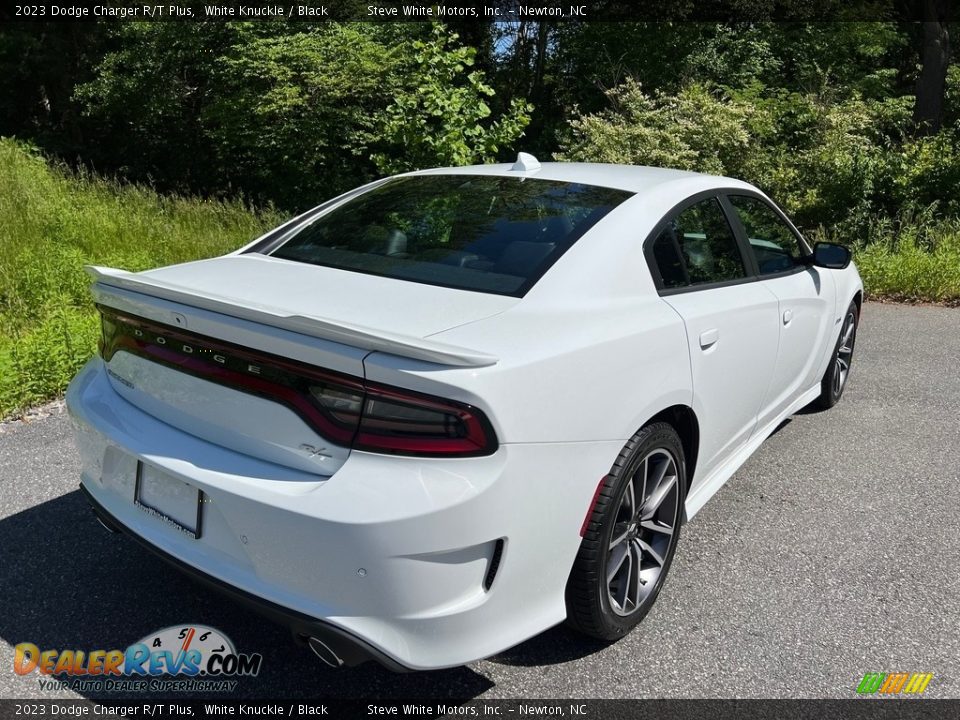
(659, 436)
(831, 372)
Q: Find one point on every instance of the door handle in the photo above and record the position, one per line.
(708, 338)
(787, 316)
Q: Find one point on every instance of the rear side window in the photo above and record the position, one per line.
(697, 246)
(487, 233)
(666, 253)
(772, 242)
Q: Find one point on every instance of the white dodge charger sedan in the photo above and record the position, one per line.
(450, 409)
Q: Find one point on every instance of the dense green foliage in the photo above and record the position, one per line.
(822, 118)
(52, 223)
(837, 163)
(287, 114)
(821, 115)
(852, 127)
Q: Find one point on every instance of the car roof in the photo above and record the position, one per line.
(632, 178)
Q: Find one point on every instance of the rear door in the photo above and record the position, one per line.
(805, 295)
(731, 323)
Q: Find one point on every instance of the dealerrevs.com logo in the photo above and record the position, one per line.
(896, 683)
(184, 658)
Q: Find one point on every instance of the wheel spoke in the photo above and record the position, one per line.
(630, 500)
(656, 527)
(657, 497)
(634, 581)
(621, 594)
(648, 549)
(629, 583)
(616, 561)
(847, 337)
(622, 531)
(660, 473)
(841, 363)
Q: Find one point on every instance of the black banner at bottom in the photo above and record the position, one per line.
(406, 710)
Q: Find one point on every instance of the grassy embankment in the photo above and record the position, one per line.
(53, 222)
(916, 262)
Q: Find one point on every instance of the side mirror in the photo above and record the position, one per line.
(831, 255)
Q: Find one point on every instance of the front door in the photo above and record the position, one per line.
(806, 298)
(732, 326)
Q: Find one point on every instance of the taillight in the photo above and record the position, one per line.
(345, 409)
(397, 421)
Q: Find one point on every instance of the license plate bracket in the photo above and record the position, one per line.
(169, 499)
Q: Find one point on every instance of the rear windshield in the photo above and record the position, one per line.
(485, 233)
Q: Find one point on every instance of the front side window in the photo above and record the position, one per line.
(486, 233)
(774, 245)
(697, 247)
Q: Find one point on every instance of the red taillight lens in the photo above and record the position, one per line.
(320, 397)
(396, 421)
(345, 409)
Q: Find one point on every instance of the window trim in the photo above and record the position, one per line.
(273, 239)
(739, 233)
(668, 217)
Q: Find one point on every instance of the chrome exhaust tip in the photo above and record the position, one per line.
(104, 524)
(324, 652)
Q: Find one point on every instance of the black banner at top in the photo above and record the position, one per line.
(484, 10)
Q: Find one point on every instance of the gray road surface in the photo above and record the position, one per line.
(834, 551)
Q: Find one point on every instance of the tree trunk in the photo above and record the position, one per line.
(935, 56)
(543, 38)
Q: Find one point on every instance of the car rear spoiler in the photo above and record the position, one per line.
(106, 281)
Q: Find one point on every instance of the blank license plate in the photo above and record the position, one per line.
(169, 499)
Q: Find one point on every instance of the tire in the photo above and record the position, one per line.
(609, 609)
(838, 372)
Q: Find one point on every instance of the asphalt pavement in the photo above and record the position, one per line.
(833, 552)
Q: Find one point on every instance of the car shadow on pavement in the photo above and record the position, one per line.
(557, 645)
(68, 583)
(780, 427)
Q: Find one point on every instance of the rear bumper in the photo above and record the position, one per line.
(388, 559)
(345, 648)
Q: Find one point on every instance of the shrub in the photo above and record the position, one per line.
(844, 168)
(696, 129)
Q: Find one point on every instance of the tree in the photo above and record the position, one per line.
(40, 64)
(146, 99)
(440, 113)
(935, 60)
(290, 113)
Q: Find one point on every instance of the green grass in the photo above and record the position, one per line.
(918, 263)
(52, 223)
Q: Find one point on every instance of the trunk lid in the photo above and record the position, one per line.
(322, 317)
(397, 306)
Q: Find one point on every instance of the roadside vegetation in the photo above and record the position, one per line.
(854, 127)
(52, 223)
(847, 170)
